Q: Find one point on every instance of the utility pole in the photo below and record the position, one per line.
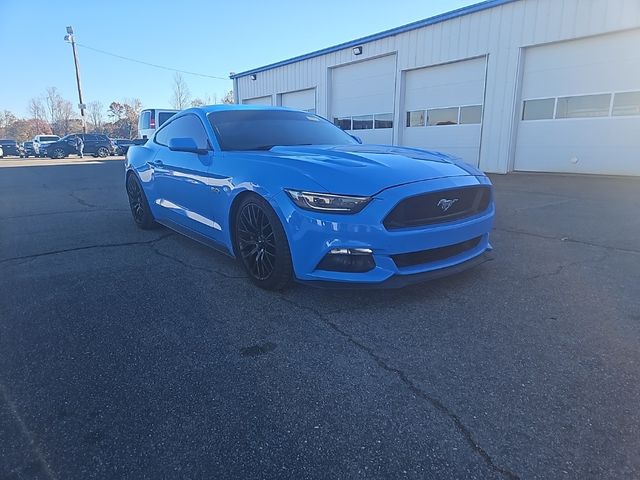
(69, 38)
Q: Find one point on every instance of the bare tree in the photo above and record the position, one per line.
(65, 116)
(133, 106)
(204, 100)
(96, 116)
(181, 94)
(7, 119)
(125, 117)
(53, 101)
(38, 113)
(228, 97)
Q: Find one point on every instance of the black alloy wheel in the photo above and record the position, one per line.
(103, 152)
(261, 244)
(57, 153)
(138, 203)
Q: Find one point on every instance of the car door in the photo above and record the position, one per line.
(90, 143)
(68, 144)
(182, 179)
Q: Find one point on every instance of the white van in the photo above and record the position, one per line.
(39, 140)
(151, 119)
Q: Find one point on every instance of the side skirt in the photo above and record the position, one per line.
(198, 237)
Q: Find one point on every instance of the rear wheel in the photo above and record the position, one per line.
(261, 244)
(138, 202)
(103, 152)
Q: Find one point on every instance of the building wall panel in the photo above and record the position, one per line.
(499, 32)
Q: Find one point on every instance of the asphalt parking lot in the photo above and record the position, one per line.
(135, 354)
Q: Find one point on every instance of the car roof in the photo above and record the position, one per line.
(230, 107)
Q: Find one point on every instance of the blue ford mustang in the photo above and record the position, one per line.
(294, 197)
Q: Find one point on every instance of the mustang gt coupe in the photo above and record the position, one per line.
(293, 197)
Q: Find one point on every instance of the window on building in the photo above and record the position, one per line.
(415, 118)
(343, 122)
(363, 122)
(584, 106)
(442, 116)
(383, 120)
(470, 114)
(626, 103)
(541, 109)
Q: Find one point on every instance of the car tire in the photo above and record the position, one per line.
(57, 153)
(260, 244)
(139, 205)
(102, 152)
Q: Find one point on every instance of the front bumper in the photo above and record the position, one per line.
(312, 235)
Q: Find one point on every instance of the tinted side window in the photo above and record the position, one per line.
(188, 126)
(163, 117)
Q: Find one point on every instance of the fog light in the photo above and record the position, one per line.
(353, 260)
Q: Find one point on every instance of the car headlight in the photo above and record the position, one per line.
(326, 202)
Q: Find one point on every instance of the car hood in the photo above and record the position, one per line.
(362, 169)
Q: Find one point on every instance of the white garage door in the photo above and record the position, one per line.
(580, 109)
(258, 101)
(362, 98)
(443, 108)
(301, 100)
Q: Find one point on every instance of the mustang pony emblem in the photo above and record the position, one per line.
(445, 204)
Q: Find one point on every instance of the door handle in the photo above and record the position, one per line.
(158, 163)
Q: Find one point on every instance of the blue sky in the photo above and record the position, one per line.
(211, 37)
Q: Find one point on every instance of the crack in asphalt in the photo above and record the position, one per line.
(567, 239)
(26, 433)
(155, 249)
(85, 247)
(63, 212)
(404, 378)
(560, 268)
(81, 201)
(151, 243)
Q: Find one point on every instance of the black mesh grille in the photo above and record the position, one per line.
(438, 207)
(434, 254)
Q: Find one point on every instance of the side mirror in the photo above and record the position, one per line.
(185, 145)
(357, 139)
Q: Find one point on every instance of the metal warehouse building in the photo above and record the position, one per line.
(528, 85)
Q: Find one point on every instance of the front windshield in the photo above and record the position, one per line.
(263, 129)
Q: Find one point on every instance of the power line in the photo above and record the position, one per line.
(150, 64)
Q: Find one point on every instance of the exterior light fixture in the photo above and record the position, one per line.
(357, 50)
(253, 76)
(70, 30)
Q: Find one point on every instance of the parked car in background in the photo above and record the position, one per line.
(10, 148)
(1, 152)
(123, 144)
(95, 144)
(29, 151)
(40, 140)
(151, 119)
